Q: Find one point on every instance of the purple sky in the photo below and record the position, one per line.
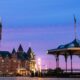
(44, 23)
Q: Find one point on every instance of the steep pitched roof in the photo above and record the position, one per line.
(13, 51)
(5, 54)
(30, 53)
(22, 56)
(29, 50)
(20, 49)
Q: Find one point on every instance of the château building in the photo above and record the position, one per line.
(17, 62)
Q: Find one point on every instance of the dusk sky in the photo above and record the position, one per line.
(45, 24)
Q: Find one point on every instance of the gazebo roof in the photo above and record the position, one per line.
(73, 47)
(74, 43)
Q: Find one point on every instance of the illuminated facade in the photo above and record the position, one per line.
(17, 62)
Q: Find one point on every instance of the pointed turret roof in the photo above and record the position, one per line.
(29, 50)
(30, 53)
(20, 49)
(13, 51)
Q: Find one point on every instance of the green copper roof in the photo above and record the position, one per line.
(5, 54)
(74, 43)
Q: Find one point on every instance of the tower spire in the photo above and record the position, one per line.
(75, 35)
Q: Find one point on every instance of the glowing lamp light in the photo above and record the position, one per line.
(39, 61)
(39, 64)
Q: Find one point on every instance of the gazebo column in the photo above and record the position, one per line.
(66, 60)
(71, 63)
(57, 61)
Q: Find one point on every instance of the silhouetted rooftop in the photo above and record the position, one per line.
(30, 53)
(5, 54)
(20, 48)
(72, 46)
(74, 43)
(22, 56)
(13, 51)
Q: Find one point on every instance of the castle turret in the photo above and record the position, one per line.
(20, 49)
(31, 58)
(13, 51)
(30, 53)
(14, 55)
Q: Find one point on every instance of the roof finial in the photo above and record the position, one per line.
(74, 26)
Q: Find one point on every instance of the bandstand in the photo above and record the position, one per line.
(70, 49)
(66, 50)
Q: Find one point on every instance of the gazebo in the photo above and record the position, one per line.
(70, 49)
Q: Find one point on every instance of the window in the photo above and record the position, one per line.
(2, 60)
(14, 60)
(7, 70)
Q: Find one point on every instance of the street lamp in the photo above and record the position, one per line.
(39, 66)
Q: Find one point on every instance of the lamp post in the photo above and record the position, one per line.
(39, 66)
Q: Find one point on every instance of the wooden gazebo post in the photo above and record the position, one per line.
(71, 62)
(57, 61)
(65, 55)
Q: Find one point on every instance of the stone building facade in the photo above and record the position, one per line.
(17, 62)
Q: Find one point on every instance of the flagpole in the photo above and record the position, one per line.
(75, 27)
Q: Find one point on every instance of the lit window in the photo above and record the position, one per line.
(7, 70)
(2, 60)
(14, 60)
